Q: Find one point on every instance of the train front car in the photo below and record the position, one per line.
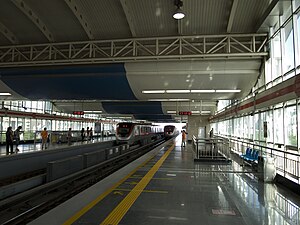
(170, 131)
(125, 133)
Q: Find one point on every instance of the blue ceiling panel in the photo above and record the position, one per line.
(155, 118)
(132, 107)
(103, 82)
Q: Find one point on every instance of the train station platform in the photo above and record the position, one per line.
(166, 186)
(33, 147)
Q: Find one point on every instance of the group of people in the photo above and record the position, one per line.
(10, 137)
(88, 134)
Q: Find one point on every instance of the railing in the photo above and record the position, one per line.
(287, 162)
(211, 148)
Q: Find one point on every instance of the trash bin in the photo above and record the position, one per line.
(269, 169)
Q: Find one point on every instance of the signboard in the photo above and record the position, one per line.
(185, 113)
(78, 113)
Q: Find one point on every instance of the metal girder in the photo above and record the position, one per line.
(232, 15)
(8, 34)
(128, 17)
(233, 46)
(34, 18)
(81, 18)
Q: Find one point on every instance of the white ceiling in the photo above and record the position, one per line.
(82, 20)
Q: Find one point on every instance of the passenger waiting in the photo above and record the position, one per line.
(44, 135)
(9, 141)
(17, 137)
(69, 136)
(82, 134)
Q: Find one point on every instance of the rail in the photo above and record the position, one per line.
(211, 148)
(287, 162)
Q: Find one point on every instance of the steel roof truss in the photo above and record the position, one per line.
(125, 50)
(34, 18)
(8, 34)
(128, 17)
(81, 18)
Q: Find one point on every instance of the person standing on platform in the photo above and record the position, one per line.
(9, 141)
(17, 137)
(91, 134)
(183, 134)
(87, 133)
(82, 134)
(69, 136)
(44, 135)
(211, 133)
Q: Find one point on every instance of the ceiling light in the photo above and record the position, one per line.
(93, 111)
(153, 92)
(195, 112)
(172, 112)
(179, 99)
(202, 91)
(228, 91)
(204, 112)
(178, 91)
(4, 93)
(178, 14)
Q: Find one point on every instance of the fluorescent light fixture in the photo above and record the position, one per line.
(5, 93)
(153, 92)
(178, 91)
(179, 99)
(172, 112)
(203, 112)
(228, 91)
(170, 99)
(202, 91)
(96, 111)
(158, 100)
(195, 112)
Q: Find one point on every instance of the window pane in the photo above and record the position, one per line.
(297, 35)
(290, 125)
(288, 48)
(278, 126)
(270, 126)
(276, 57)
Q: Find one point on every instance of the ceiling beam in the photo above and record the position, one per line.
(128, 17)
(232, 15)
(265, 15)
(34, 18)
(8, 34)
(81, 18)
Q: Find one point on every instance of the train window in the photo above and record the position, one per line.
(123, 130)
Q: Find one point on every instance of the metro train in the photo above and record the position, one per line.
(136, 133)
(170, 131)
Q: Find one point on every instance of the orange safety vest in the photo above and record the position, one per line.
(183, 135)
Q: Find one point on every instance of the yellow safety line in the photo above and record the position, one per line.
(103, 195)
(146, 191)
(119, 212)
(157, 178)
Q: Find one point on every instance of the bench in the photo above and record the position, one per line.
(251, 156)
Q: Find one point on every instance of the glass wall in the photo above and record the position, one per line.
(32, 125)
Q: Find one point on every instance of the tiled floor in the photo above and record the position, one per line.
(184, 192)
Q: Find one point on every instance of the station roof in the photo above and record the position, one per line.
(119, 85)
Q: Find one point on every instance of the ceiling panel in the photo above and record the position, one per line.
(106, 18)
(205, 16)
(248, 14)
(153, 18)
(19, 24)
(59, 19)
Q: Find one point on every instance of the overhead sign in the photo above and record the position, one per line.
(185, 113)
(78, 113)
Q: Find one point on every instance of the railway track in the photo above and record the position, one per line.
(26, 206)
